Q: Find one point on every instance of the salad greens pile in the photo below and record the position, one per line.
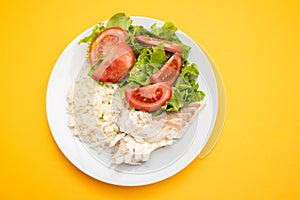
(148, 61)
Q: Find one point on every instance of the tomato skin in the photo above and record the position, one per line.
(170, 71)
(104, 41)
(149, 98)
(168, 45)
(116, 65)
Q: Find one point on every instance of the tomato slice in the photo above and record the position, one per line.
(170, 71)
(104, 42)
(116, 65)
(168, 45)
(150, 97)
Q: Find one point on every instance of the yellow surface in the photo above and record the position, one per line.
(256, 47)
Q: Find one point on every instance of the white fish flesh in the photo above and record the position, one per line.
(145, 134)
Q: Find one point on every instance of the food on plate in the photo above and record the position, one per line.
(103, 43)
(149, 98)
(168, 46)
(143, 138)
(136, 93)
(170, 71)
(115, 65)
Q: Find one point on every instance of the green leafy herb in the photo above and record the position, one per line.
(93, 68)
(189, 71)
(147, 63)
(96, 30)
(134, 31)
(185, 90)
(168, 32)
(176, 101)
(119, 20)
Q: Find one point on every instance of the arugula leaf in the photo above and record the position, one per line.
(119, 20)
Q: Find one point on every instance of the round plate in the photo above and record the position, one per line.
(164, 162)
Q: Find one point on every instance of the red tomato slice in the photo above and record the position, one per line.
(150, 97)
(116, 65)
(170, 71)
(168, 45)
(103, 43)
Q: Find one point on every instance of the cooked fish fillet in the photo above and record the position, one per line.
(143, 137)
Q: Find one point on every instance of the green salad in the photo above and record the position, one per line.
(150, 56)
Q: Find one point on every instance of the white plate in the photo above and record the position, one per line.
(164, 162)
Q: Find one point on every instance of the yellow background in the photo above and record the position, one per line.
(256, 47)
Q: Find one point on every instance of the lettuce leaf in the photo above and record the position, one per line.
(186, 89)
(132, 32)
(168, 32)
(119, 20)
(148, 63)
(189, 71)
(98, 28)
(158, 55)
(176, 101)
